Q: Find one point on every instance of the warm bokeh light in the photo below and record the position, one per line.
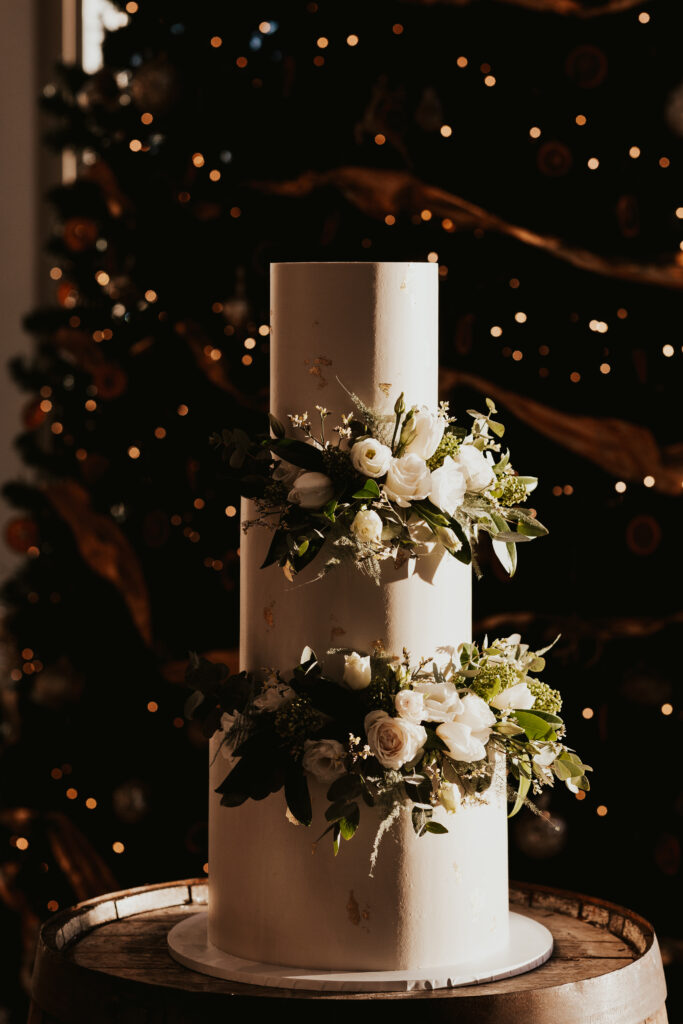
(587, 713)
(667, 709)
(648, 481)
(620, 486)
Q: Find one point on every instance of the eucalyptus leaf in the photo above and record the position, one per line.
(534, 725)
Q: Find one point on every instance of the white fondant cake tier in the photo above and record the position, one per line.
(433, 900)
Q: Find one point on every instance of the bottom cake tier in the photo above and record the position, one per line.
(277, 896)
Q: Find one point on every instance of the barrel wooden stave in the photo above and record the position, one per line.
(107, 961)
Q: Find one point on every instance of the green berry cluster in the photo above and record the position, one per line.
(510, 491)
(448, 445)
(295, 721)
(547, 699)
(380, 696)
(491, 679)
(338, 465)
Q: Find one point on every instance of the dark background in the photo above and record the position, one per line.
(560, 298)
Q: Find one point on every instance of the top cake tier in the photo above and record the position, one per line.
(367, 325)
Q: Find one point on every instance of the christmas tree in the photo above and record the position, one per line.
(531, 149)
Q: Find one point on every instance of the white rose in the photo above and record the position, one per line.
(285, 473)
(408, 479)
(518, 696)
(357, 671)
(475, 467)
(410, 705)
(311, 490)
(428, 428)
(324, 759)
(467, 735)
(370, 457)
(441, 701)
(448, 486)
(273, 695)
(367, 526)
(394, 741)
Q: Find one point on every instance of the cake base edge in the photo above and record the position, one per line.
(529, 946)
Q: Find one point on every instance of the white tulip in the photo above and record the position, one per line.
(311, 490)
(467, 735)
(324, 759)
(475, 467)
(367, 526)
(394, 741)
(448, 486)
(408, 479)
(370, 457)
(448, 538)
(357, 671)
(428, 428)
(441, 701)
(410, 705)
(518, 697)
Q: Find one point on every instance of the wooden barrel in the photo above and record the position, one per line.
(106, 962)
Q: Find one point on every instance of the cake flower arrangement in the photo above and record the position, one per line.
(377, 487)
(389, 735)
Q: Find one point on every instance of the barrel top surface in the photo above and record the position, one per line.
(118, 942)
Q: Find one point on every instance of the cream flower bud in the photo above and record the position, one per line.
(425, 430)
(357, 671)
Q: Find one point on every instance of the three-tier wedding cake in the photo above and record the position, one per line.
(391, 708)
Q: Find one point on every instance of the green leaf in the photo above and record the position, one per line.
(534, 726)
(276, 427)
(368, 492)
(305, 456)
(340, 809)
(349, 823)
(436, 828)
(346, 787)
(278, 549)
(420, 817)
(418, 789)
(497, 428)
(297, 795)
(508, 728)
(548, 717)
(522, 790)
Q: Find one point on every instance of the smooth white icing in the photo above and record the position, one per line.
(433, 900)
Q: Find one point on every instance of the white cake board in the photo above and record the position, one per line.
(529, 946)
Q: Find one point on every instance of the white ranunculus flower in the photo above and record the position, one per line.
(370, 457)
(467, 735)
(357, 671)
(475, 467)
(410, 705)
(285, 473)
(394, 741)
(518, 696)
(324, 759)
(367, 526)
(429, 429)
(273, 695)
(408, 479)
(441, 701)
(311, 490)
(448, 486)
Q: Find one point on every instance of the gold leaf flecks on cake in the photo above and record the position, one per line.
(269, 616)
(314, 368)
(385, 388)
(353, 910)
